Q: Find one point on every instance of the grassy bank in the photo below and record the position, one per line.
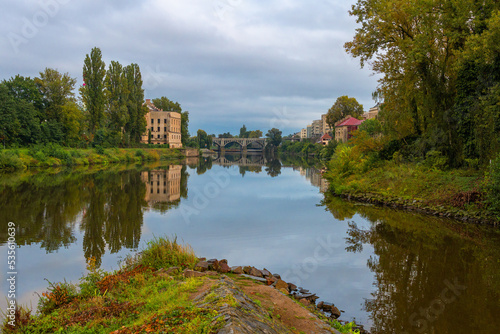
(142, 296)
(458, 193)
(54, 155)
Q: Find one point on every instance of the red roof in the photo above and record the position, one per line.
(350, 122)
(325, 136)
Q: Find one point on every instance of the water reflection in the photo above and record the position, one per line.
(432, 275)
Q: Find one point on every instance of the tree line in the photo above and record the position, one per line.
(440, 66)
(109, 111)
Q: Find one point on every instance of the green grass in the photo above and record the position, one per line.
(54, 155)
(134, 299)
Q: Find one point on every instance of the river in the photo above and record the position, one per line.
(391, 271)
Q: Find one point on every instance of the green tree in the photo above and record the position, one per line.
(371, 126)
(204, 140)
(274, 137)
(243, 132)
(10, 125)
(116, 94)
(226, 135)
(25, 88)
(92, 92)
(255, 134)
(136, 122)
(343, 107)
(57, 90)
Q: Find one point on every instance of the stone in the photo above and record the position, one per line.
(237, 270)
(213, 265)
(292, 287)
(285, 291)
(201, 266)
(266, 273)
(271, 280)
(320, 305)
(192, 273)
(277, 276)
(246, 270)
(224, 268)
(327, 307)
(280, 284)
(202, 259)
(173, 270)
(305, 302)
(335, 312)
(255, 272)
(223, 261)
(260, 279)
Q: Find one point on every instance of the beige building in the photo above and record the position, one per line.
(303, 134)
(372, 113)
(317, 128)
(163, 126)
(326, 128)
(162, 185)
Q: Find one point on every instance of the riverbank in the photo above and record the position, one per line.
(166, 288)
(460, 194)
(56, 156)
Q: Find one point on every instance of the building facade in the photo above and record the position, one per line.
(162, 186)
(325, 127)
(345, 127)
(163, 127)
(317, 128)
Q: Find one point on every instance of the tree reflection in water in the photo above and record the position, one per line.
(416, 259)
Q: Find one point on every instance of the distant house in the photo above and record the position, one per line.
(345, 127)
(372, 113)
(325, 139)
(163, 127)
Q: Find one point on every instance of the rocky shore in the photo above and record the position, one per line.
(234, 318)
(420, 206)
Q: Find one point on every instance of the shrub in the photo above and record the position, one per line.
(10, 161)
(346, 161)
(88, 284)
(57, 295)
(139, 153)
(100, 150)
(434, 159)
(493, 186)
(164, 253)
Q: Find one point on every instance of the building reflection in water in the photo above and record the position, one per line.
(314, 176)
(162, 185)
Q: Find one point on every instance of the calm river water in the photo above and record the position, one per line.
(392, 271)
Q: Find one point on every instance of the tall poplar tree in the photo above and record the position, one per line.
(136, 123)
(116, 93)
(93, 90)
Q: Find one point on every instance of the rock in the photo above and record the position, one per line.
(237, 270)
(213, 265)
(292, 287)
(303, 290)
(246, 270)
(277, 276)
(305, 302)
(260, 279)
(327, 307)
(202, 259)
(173, 270)
(271, 280)
(284, 291)
(224, 268)
(335, 312)
(320, 305)
(192, 273)
(201, 266)
(223, 261)
(280, 284)
(266, 273)
(256, 272)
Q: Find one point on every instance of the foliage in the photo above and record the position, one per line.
(58, 294)
(346, 161)
(343, 107)
(10, 161)
(371, 126)
(274, 137)
(204, 140)
(165, 253)
(493, 187)
(347, 328)
(440, 72)
(92, 91)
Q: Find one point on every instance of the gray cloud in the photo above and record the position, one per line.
(229, 62)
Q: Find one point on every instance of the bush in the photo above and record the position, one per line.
(493, 186)
(165, 253)
(139, 153)
(10, 161)
(100, 150)
(435, 160)
(57, 295)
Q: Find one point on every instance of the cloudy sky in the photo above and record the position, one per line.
(274, 63)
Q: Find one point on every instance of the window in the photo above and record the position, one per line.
(158, 121)
(152, 121)
(158, 136)
(165, 129)
(165, 121)
(158, 129)
(152, 129)
(165, 136)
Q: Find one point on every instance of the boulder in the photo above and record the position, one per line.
(280, 284)
(266, 273)
(213, 265)
(201, 266)
(173, 270)
(284, 291)
(224, 268)
(292, 287)
(256, 272)
(305, 302)
(246, 270)
(223, 261)
(335, 312)
(277, 276)
(192, 273)
(237, 270)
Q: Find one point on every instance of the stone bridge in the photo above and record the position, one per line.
(251, 161)
(221, 143)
